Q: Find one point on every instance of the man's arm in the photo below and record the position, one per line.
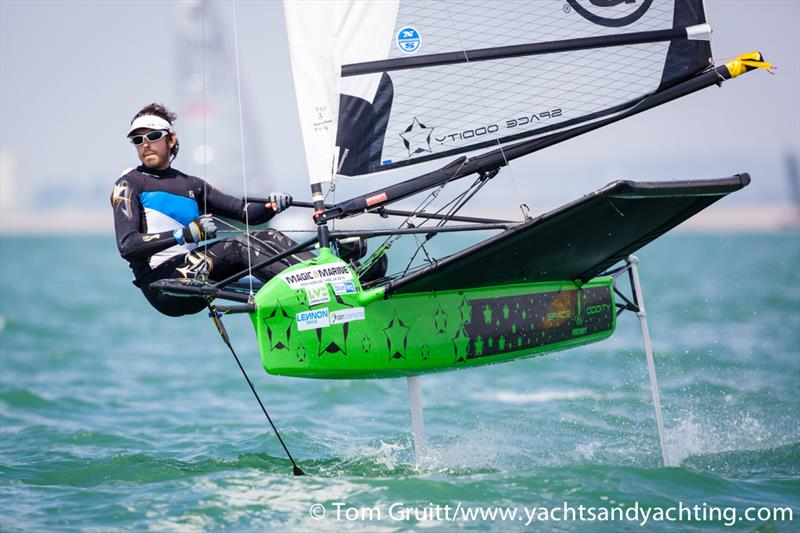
(225, 205)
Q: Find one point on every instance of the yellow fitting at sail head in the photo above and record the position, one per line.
(746, 62)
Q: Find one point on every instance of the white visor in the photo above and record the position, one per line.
(150, 122)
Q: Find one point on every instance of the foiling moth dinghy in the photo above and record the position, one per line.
(377, 93)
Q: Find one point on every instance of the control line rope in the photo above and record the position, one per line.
(216, 316)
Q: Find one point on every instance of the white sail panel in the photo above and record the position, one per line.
(322, 37)
(503, 99)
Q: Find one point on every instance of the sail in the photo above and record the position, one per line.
(322, 37)
(410, 81)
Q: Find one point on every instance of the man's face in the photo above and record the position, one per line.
(155, 154)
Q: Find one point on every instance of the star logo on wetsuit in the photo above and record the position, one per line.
(417, 138)
(197, 266)
(122, 195)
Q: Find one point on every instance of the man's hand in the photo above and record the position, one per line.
(279, 201)
(200, 229)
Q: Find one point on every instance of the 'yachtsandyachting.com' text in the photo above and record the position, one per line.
(635, 513)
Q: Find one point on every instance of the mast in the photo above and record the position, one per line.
(318, 200)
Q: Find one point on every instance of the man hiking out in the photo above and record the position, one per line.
(164, 219)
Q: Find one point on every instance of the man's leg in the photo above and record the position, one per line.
(226, 257)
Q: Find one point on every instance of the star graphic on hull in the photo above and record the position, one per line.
(461, 346)
(417, 138)
(279, 328)
(332, 339)
(425, 352)
(396, 337)
(366, 344)
(487, 315)
(440, 321)
(300, 352)
(465, 310)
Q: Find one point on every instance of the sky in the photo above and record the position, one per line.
(72, 74)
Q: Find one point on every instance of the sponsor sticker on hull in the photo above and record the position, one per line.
(317, 295)
(344, 287)
(323, 318)
(317, 275)
(347, 315)
(319, 318)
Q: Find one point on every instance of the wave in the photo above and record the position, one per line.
(544, 395)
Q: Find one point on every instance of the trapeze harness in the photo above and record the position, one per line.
(149, 205)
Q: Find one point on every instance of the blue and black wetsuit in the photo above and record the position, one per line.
(150, 204)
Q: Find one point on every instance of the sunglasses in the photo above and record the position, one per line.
(151, 137)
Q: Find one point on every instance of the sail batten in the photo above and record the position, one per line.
(700, 32)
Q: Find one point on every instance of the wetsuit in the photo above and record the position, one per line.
(149, 205)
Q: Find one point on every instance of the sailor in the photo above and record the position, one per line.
(164, 220)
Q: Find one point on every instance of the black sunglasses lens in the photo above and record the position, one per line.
(155, 135)
(136, 140)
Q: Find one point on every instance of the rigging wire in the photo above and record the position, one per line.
(241, 138)
(487, 117)
(204, 7)
(389, 241)
(421, 245)
(213, 312)
(457, 203)
(384, 247)
(460, 200)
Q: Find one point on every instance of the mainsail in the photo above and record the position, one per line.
(382, 85)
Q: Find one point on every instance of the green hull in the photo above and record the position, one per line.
(504, 298)
(359, 334)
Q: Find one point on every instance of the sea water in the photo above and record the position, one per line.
(113, 417)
